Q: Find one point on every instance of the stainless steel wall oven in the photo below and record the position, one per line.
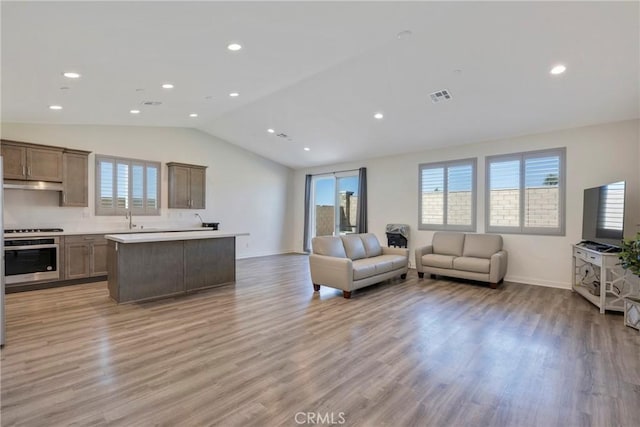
(31, 259)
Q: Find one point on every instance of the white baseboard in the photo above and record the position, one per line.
(537, 282)
(512, 279)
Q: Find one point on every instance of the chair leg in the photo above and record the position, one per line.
(420, 275)
(346, 294)
(403, 276)
(316, 287)
(493, 285)
(433, 276)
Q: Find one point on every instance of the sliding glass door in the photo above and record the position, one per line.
(334, 203)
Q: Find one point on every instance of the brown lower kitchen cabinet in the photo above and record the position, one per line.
(85, 256)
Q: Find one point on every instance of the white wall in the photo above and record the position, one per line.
(245, 192)
(596, 155)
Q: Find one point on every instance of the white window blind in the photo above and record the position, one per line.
(447, 195)
(526, 193)
(124, 185)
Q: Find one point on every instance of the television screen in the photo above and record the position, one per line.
(603, 214)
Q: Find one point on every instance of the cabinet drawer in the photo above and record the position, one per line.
(588, 256)
(87, 238)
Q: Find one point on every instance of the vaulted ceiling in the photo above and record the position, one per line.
(317, 72)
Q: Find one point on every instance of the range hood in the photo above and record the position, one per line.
(12, 184)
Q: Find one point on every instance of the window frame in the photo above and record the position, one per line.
(473, 162)
(114, 210)
(562, 183)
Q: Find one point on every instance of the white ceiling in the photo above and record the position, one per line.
(318, 71)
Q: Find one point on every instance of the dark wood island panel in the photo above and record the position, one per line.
(149, 270)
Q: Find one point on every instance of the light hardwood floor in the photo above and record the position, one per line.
(403, 353)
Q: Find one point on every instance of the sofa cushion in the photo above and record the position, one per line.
(354, 247)
(482, 245)
(329, 246)
(397, 261)
(383, 265)
(363, 268)
(448, 243)
(371, 244)
(477, 265)
(437, 260)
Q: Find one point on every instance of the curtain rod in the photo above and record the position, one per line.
(335, 172)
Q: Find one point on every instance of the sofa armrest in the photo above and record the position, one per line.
(420, 252)
(331, 271)
(498, 268)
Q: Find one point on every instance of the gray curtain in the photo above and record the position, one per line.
(307, 202)
(361, 213)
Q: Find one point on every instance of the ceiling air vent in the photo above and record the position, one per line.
(282, 135)
(153, 103)
(439, 96)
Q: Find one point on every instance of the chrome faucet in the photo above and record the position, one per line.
(128, 215)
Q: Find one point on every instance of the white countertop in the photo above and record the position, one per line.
(167, 237)
(106, 231)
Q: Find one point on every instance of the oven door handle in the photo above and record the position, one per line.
(20, 248)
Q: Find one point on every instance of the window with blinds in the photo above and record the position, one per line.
(447, 196)
(124, 185)
(525, 193)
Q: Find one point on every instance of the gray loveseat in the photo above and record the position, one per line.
(354, 261)
(466, 256)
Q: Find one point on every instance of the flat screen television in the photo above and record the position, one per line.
(603, 214)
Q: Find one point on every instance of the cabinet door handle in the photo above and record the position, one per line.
(28, 170)
(64, 197)
(24, 170)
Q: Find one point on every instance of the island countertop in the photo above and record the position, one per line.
(171, 236)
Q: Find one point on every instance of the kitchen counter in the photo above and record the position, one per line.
(171, 236)
(105, 231)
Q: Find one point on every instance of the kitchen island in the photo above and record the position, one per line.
(148, 266)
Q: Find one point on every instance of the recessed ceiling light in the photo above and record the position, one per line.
(71, 75)
(270, 130)
(378, 116)
(167, 86)
(193, 115)
(134, 111)
(307, 149)
(234, 47)
(234, 94)
(558, 69)
(55, 107)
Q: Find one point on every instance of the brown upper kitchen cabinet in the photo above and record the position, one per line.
(75, 166)
(31, 162)
(187, 186)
